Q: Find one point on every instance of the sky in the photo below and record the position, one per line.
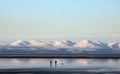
(60, 20)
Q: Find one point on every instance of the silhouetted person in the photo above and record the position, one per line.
(51, 63)
(55, 63)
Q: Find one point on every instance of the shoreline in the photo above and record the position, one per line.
(96, 56)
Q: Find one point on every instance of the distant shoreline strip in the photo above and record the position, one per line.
(113, 56)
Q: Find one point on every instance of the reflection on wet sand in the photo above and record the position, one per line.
(59, 63)
(37, 61)
(82, 61)
(16, 61)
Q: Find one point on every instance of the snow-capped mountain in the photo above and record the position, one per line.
(90, 44)
(50, 44)
(20, 43)
(84, 44)
(114, 45)
(59, 44)
(60, 47)
(36, 43)
(69, 43)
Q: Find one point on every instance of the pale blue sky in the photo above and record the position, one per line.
(60, 19)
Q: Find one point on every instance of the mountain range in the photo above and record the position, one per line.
(63, 44)
(41, 47)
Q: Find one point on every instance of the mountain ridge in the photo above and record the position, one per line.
(64, 44)
(60, 47)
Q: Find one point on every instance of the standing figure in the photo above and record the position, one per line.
(55, 63)
(51, 63)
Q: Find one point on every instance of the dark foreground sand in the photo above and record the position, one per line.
(55, 71)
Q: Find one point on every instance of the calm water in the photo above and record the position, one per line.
(10, 63)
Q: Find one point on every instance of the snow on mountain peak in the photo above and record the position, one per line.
(114, 45)
(20, 43)
(90, 44)
(40, 43)
(69, 43)
(52, 44)
(65, 44)
(35, 43)
(60, 44)
(84, 44)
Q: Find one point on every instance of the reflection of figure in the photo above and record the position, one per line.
(51, 63)
(62, 64)
(55, 63)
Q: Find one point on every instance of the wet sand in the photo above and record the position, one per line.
(56, 71)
